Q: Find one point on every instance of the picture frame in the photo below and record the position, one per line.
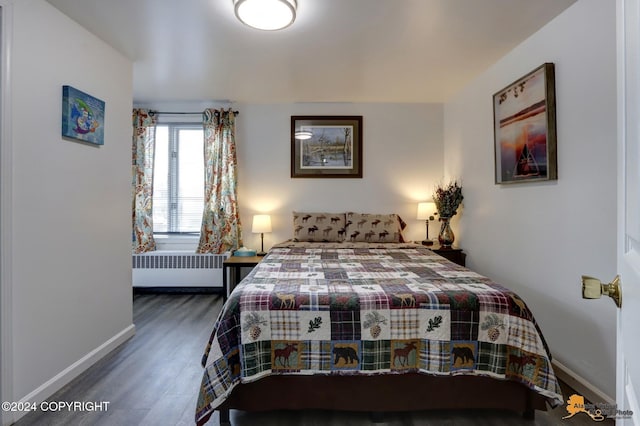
(326, 146)
(524, 115)
(82, 116)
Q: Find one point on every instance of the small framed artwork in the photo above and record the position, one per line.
(82, 116)
(326, 146)
(524, 115)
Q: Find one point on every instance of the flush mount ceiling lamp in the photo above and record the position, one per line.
(269, 15)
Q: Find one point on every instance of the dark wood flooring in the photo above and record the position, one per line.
(153, 379)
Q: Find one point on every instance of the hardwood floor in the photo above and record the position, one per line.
(153, 379)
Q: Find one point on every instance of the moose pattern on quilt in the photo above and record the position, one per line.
(361, 309)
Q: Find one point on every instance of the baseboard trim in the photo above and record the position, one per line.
(633, 402)
(581, 385)
(177, 290)
(56, 383)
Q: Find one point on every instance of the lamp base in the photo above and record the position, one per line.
(261, 252)
(427, 243)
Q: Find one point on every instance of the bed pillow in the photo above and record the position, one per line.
(374, 228)
(319, 227)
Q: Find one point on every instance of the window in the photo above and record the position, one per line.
(178, 178)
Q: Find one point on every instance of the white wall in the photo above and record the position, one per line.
(402, 155)
(71, 227)
(538, 239)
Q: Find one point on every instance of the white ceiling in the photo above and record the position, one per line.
(336, 50)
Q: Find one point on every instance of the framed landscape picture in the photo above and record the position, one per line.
(82, 116)
(326, 146)
(525, 128)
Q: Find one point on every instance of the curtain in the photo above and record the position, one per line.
(144, 137)
(221, 230)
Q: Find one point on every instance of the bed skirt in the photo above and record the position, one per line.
(382, 393)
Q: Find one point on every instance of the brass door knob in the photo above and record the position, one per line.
(592, 288)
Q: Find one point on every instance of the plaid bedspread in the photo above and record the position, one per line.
(361, 309)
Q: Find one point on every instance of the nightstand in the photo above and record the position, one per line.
(234, 263)
(453, 254)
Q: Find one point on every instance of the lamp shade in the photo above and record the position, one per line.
(425, 210)
(261, 223)
(266, 15)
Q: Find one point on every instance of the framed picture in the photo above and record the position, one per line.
(82, 116)
(326, 146)
(524, 116)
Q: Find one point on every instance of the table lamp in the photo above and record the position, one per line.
(261, 224)
(426, 211)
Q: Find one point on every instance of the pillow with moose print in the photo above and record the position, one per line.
(319, 227)
(374, 228)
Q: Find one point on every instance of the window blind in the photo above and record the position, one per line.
(178, 179)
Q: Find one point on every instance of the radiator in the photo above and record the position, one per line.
(177, 269)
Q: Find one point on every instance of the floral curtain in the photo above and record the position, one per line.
(144, 137)
(221, 230)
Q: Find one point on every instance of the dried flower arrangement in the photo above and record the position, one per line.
(447, 198)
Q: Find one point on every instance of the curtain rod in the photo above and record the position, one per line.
(183, 113)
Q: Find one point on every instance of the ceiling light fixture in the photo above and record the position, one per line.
(268, 15)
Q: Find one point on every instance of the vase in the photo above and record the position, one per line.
(446, 236)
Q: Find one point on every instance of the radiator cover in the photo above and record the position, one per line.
(177, 269)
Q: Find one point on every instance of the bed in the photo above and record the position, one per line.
(373, 326)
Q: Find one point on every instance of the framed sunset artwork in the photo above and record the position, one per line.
(525, 128)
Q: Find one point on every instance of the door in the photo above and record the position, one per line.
(628, 247)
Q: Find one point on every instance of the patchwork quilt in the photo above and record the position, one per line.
(357, 309)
